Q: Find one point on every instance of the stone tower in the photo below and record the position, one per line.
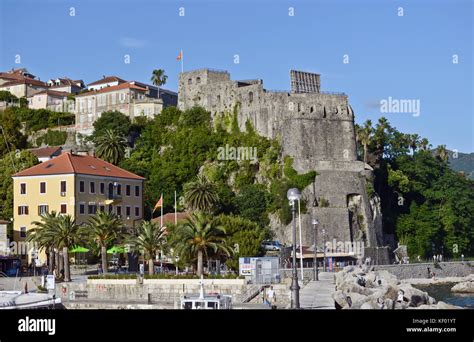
(317, 129)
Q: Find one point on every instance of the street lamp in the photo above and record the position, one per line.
(315, 259)
(324, 248)
(294, 195)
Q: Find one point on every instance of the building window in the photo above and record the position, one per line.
(119, 189)
(102, 188)
(23, 188)
(190, 81)
(102, 207)
(42, 209)
(81, 186)
(23, 210)
(118, 211)
(128, 210)
(198, 80)
(92, 209)
(111, 208)
(127, 190)
(82, 208)
(23, 232)
(63, 186)
(250, 97)
(92, 187)
(137, 211)
(42, 187)
(137, 190)
(63, 208)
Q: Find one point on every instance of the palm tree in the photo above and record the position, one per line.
(111, 146)
(442, 153)
(149, 241)
(201, 195)
(62, 232)
(199, 235)
(103, 229)
(424, 144)
(414, 141)
(158, 78)
(364, 136)
(43, 240)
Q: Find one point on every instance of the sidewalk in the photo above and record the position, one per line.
(317, 294)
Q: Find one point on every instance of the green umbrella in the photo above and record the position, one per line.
(115, 250)
(79, 249)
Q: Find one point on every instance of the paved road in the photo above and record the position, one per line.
(317, 294)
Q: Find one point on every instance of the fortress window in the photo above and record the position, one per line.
(218, 99)
(311, 109)
(250, 97)
(198, 80)
(299, 107)
(190, 81)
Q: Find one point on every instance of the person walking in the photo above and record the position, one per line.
(271, 297)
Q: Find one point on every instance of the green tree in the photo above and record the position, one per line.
(42, 238)
(110, 146)
(251, 203)
(158, 77)
(198, 236)
(10, 132)
(201, 194)
(150, 240)
(103, 229)
(442, 153)
(111, 120)
(364, 136)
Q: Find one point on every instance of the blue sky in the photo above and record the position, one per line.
(403, 57)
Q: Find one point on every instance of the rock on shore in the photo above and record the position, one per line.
(363, 288)
(465, 286)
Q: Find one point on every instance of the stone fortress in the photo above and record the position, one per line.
(315, 128)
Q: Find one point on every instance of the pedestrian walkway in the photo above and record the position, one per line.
(317, 294)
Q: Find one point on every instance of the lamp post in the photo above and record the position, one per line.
(324, 248)
(315, 259)
(294, 195)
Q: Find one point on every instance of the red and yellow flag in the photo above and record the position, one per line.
(158, 204)
(180, 55)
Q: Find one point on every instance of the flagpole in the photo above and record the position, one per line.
(301, 245)
(161, 217)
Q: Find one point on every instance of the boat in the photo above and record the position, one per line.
(202, 301)
(14, 300)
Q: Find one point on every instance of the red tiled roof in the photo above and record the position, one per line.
(52, 93)
(25, 80)
(68, 163)
(107, 80)
(112, 88)
(42, 152)
(169, 218)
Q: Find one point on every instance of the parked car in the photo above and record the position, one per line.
(271, 245)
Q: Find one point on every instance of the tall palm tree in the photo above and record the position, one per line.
(442, 153)
(364, 136)
(149, 241)
(201, 195)
(39, 236)
(414, 142)
(199, 235)
(64, 232)
(110, 146)
(103, 229)
(158, 78)
(424, 143)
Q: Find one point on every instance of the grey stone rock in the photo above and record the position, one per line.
(464, 287)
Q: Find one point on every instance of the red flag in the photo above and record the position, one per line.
(180, 55)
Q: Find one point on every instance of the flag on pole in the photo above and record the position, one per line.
(180, 58)
(159, 204)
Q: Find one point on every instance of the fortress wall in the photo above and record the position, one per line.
(316, 129)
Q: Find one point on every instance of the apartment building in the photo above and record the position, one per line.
(66, 85)
(50, 99)
(77, 185)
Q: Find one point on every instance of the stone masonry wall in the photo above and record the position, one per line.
(316, 129)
